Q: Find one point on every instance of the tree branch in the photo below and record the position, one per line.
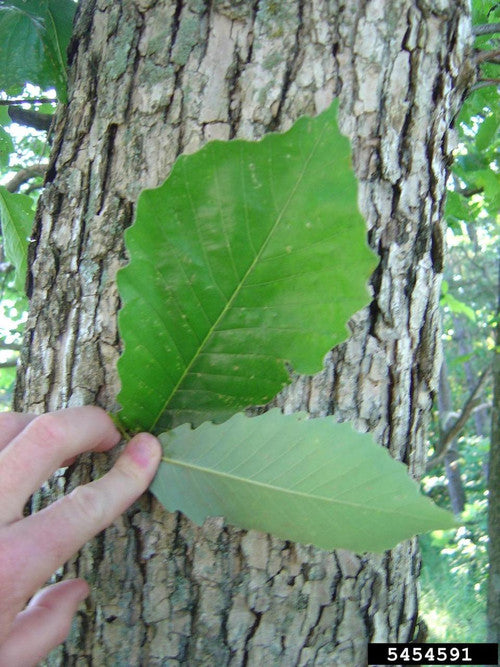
(485, 29)
(469, 192)
(24, 175)
(32, 187)
(29, 100)
(10, 363)
(448, 436)
(488, 56)
(473, 401)
(28, 118)
(483, 83)
(482, 406)
(10, 346)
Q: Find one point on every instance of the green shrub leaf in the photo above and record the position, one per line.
(6, 148)
(16, 219)
(251, 256)
(35, 35)
(488, 130)
(307, 480)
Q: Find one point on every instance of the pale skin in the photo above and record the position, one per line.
(31, 548)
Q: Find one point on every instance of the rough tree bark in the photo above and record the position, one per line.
(150, 79)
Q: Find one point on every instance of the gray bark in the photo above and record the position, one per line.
(150, 79)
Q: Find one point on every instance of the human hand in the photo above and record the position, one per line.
(32, 548)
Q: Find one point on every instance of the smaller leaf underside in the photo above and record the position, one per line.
(311, 481)
(250, 255)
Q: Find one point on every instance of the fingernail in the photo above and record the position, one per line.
(144, 450)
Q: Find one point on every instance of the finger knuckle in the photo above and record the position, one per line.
(87, 503)
(47, 429)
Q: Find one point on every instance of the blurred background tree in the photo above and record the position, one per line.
(455, 563)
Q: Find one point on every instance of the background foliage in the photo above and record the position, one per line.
(455, 563)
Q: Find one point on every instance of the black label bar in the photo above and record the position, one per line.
(433, 654)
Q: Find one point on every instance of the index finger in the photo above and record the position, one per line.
(41, 447)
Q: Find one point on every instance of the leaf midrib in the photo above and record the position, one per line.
(280, 489)
(240, 285)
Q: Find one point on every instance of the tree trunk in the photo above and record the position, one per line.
(150, 79)
(454, 479)
(481, 416)
(456, 490)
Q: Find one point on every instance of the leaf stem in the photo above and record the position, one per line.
(117, 422)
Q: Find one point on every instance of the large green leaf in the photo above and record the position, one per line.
(16, 219)
(312, 481)
(251, 256)
(35, 36)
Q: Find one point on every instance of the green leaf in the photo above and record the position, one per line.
(472, 161)
(35, 38)
(59, 26)
(307, 480)
(16, 218)
(489, 180)
(457, 306)
(6, 147)
(487, 131)
(4, 116)
(462, 359)
(250, 257)
(456, 206)
(22, 57)
(6, 143)
(476, 103)
(485, 11)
